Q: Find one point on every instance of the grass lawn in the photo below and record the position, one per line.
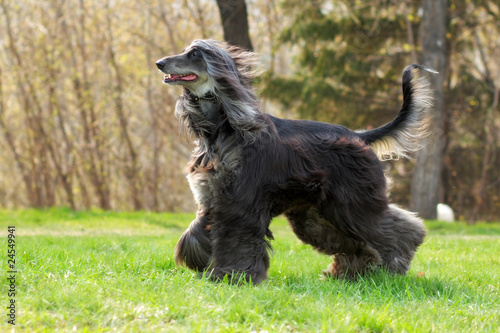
(105, 272)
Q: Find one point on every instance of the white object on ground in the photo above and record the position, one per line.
(445, 213)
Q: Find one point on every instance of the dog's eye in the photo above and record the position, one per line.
(193, 53)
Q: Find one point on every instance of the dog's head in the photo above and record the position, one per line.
(188, 69)
(208, 66)
(223, 71)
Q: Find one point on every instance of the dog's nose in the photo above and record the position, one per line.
(160, 64)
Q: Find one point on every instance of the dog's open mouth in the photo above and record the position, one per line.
(179, 77)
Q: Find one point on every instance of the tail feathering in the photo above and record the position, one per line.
(403, 136)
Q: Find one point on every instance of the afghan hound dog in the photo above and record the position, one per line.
(248, 167)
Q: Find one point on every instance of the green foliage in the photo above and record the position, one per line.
(473, 157)
(120, 276)
(348, 62)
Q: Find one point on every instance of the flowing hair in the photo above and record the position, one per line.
(232, 71)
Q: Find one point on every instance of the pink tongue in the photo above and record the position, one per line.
(190, 77)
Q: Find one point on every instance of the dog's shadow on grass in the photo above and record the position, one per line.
(383, 285)
(412, 286)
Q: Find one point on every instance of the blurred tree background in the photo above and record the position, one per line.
(85, 120)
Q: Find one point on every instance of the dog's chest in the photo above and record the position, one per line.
(212, 175)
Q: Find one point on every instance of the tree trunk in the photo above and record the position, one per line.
(426, 183)
(480, 189)
(233, 14)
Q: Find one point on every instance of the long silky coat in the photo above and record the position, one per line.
(248, 167)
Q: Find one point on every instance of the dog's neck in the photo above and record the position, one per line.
(207, 118)
(203, 116)
(209, 97)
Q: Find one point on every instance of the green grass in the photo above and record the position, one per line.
(102, 271)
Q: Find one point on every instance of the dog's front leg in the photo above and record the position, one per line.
(194, 248)
(240, 249)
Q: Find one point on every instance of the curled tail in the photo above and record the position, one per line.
(402, 136)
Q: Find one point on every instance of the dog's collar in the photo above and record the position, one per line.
(196, 99)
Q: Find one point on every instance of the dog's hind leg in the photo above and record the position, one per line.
(350, 265)
(401, 233)
(352, 257)
(314, 230)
